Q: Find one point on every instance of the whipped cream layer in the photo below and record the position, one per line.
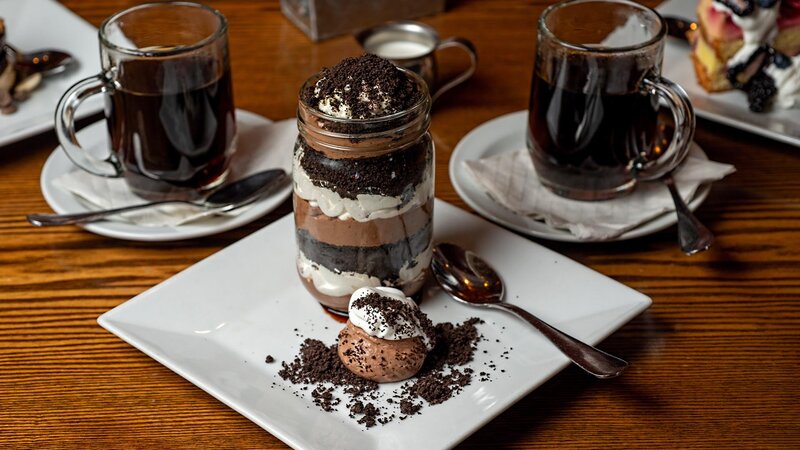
(338, 283)
(364, 207)
(373, 319)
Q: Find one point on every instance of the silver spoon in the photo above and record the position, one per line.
(693, 236)
(226, 198)
(47, 62)
(470, 280)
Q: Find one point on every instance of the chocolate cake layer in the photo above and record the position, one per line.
(335, 231)
(383, 262)
(394, 174)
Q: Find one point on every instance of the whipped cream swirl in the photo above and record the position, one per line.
(376, 321)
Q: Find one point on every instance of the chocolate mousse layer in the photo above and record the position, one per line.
(351, 232)
(382, 261)
(379, 359)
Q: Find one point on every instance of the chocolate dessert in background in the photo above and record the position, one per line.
(363, 180)
(16, 83)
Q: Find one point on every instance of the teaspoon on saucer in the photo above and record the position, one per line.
(693, 236)
(227, 198)
(469, 279)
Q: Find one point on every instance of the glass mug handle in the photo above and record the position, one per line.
(469, 48)
(65, 128)
(647, 168)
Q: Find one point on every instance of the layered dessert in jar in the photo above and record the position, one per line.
(749, 45)
(363, 180)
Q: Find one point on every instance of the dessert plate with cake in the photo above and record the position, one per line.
(230, 322)
(38, 24)
(741, 67)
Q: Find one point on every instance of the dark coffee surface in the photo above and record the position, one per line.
(388, 90)
(171, 124)
(585, 139)
(394, 174)
(383, 262)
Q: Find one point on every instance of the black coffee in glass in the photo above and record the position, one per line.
(169, 102)
(171, 122)
(595, 92)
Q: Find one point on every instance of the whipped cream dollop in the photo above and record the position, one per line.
(787, 82)
(386, 313)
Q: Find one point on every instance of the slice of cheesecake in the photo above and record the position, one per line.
(725, 25)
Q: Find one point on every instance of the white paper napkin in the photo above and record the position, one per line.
(255, 142)
(510, 179)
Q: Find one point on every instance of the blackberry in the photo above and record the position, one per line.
(780, 60)
(760, 91)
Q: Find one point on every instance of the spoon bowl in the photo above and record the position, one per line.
(470, 280)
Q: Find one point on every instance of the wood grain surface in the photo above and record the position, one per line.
(715, 359)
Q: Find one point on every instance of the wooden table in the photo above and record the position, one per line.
(715, 359)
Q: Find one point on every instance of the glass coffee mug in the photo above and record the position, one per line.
(596, 92)
(169, 102)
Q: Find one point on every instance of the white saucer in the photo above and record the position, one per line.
(95, 136)
(507, 133)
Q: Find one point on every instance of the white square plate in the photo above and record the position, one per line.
(729, 108)
(214, 323)
(39, 24)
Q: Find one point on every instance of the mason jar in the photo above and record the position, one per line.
(363, 200)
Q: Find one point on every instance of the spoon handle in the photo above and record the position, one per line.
(47, 220)
(588, 358)
(693, 236)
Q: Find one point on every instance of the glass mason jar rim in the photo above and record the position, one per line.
(659, 35)
(420, 104)
(222, 28)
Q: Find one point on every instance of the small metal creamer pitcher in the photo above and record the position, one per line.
(413, 46)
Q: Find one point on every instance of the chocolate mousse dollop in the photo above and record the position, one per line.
(364, 87)
(387, 336)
